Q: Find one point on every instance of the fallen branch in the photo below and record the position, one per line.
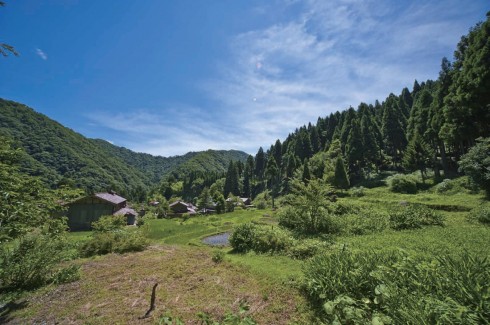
(152, 302)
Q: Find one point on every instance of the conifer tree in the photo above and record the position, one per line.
(392, 129)
(259, 164)
(354, 148)
(341, 180)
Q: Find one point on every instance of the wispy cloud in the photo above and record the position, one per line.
(327, 57)
(42, 54)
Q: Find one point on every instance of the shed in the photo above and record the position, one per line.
(82, 212)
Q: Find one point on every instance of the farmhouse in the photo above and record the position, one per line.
(181, 207)
(82, 212)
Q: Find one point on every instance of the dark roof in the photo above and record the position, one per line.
(111, 198)
(189, 205)
(125, 211)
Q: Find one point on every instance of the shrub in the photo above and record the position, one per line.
(415, 216)
(445, 186)
(480, 214)
(218, 256)
(109, 223)
(120, 241)
(307, 222)
(264, 239)
(392, 287)
(367, 221)
(400, 183)
(305, 248)
(357, 191)
(242, 238)
(33, 261)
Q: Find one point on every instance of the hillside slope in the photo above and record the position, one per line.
(61, 156)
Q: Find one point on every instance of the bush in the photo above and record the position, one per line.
(218, 256)
(305, 248)
(305, 222)
(242, 238)
(33, 261)
(395, 288)
(367, 221)
(357, 191)
(480, 214)
(415, 216)
(400, 183)
(120, 241)
(264, 239)
(109, 223)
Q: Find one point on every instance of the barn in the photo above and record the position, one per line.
(82, 212)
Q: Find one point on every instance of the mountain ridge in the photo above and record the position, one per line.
(60, 155)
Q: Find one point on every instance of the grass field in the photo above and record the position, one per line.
(271, 284)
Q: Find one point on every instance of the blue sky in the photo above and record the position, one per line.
(168, 77)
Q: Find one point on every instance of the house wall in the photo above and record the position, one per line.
(82, 213)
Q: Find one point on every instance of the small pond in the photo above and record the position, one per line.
(218, 240)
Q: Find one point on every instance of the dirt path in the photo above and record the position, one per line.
(116, 289)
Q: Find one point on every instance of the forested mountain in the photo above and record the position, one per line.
(61, 156)
(430, 126)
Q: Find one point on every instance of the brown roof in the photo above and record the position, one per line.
(111, 198)
(125, 211)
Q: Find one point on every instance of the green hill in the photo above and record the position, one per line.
(60, 155)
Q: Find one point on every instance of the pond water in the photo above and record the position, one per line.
(218, 240)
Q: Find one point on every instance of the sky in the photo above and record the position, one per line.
(169, 77)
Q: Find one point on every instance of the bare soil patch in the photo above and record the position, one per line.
(116, 289)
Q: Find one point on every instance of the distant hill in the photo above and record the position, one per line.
(60, 155)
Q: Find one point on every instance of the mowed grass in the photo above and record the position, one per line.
(116, 289)
(193, 230)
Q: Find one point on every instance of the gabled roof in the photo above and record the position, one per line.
(110, 197)
(125, 211)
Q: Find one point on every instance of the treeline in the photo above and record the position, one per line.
(428, 127)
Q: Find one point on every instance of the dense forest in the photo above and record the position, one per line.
(60, 156)
(428, 127)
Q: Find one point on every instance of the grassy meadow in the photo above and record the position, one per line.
(193, 283)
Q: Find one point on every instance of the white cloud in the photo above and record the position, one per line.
(329, 56)
(42, 54)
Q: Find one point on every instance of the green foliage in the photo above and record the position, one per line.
(395, 288)
(400, 183)
(307, 209)
(58, 154)
(366, 221)
(341, 180)
(274, 240)
(109, 223)
(357, 191)
(111, 235)
(119, 241)
(262, 200)
(218, 256)
(476, 164)
(480, 214)
(33, 261)
(415, 216)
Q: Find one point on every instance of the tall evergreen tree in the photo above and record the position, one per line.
(467, 105)
(259, 164)
(341, 180)
(354, 148)
(393, 130)
(231, 181)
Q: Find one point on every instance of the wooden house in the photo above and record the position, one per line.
(82, 212)
(180, 207)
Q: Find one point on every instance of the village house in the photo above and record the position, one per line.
(82, 212)
(179, 208)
